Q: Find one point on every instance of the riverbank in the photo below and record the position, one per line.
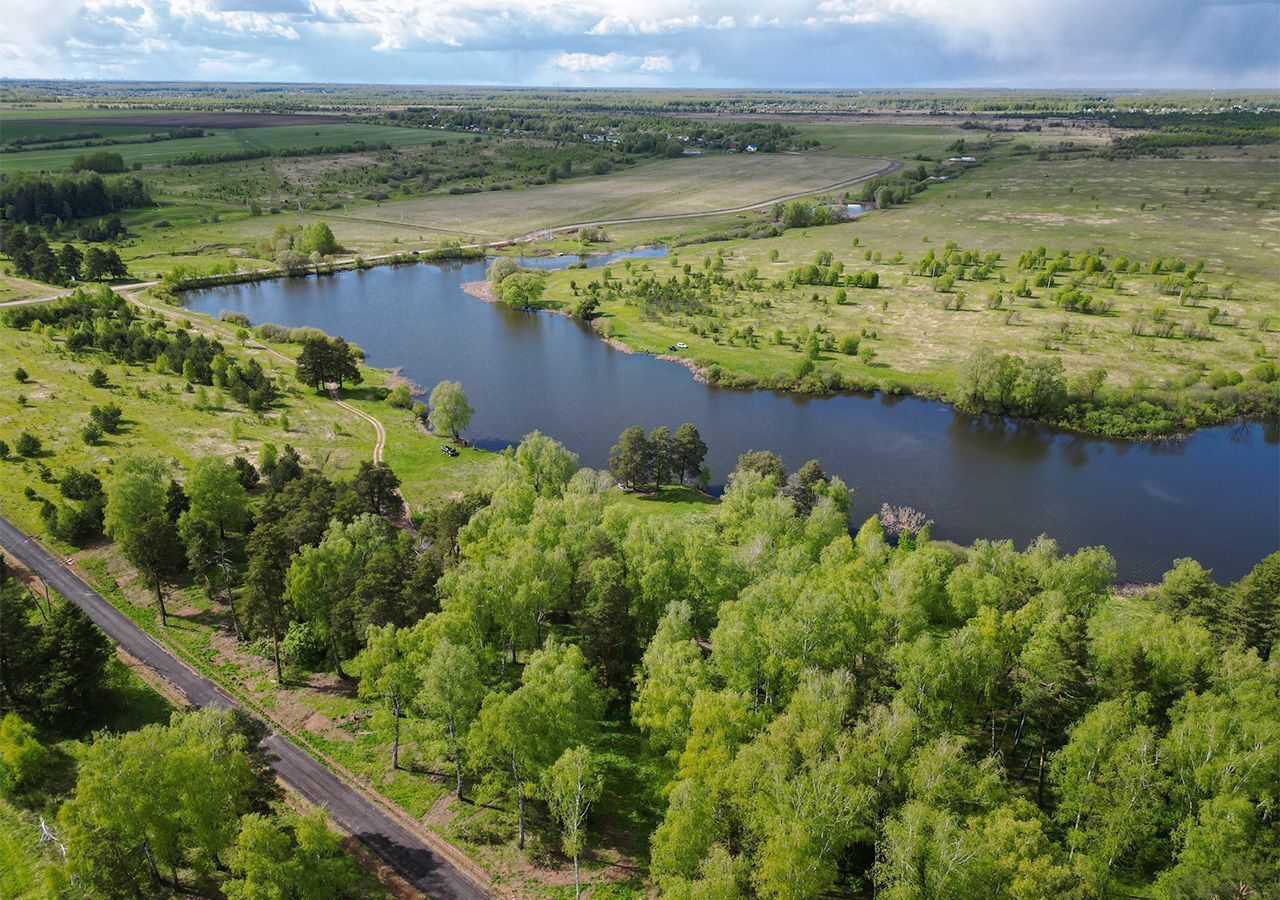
(178, 281)
(1144, 417)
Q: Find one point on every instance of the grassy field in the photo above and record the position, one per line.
(12, 288)
(1215, 205)
(161, 418)
(22, 128)
(900, 141)
(217, 140)
(22, 859)
(1222, 209)
(660, 188)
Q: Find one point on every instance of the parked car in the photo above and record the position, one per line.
(449, 451)
(682, 346)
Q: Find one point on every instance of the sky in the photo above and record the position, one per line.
(1137, 44)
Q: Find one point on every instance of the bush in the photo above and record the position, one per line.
(74, 524)
(21, 755)
(318, 238)
(502, 267)
(304, 646)
(91, 433)
(20, 375)
(27, 444)
(98, 161)
(400, 397)
(521, 290)
(246, 474)
(234, 318)
(98, 378)
(107, 417)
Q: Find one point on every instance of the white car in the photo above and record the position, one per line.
(681, 345)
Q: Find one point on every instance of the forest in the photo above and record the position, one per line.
(156, 802)
(49, 200)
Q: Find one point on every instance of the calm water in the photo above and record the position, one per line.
(1214, 496)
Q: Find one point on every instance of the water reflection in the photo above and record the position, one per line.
(977, 476)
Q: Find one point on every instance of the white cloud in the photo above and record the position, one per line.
(626, 25)
(591, 62)
(613, 62)
(657, 64)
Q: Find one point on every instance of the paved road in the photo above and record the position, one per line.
(409, 855)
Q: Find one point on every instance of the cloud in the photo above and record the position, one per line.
(625, 25)
(613, 62)
(766, 43)
(591, 62)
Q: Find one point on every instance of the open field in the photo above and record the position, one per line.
(1216, 205)
(12, 288)
(160, 119)
(223, 140)
(661, 188)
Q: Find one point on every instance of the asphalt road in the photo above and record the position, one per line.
(416, 862)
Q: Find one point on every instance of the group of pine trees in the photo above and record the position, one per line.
(34, 258)
(639, 460)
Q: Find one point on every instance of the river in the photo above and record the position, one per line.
(1214, 495)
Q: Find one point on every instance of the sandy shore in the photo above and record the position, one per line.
(699, 374)
(482, 290)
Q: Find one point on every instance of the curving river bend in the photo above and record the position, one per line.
(1214, 495)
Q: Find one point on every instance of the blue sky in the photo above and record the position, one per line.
(653, 43)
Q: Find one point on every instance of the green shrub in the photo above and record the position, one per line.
(27, 444)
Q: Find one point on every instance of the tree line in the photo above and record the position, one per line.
(49, 200)
(834, 710)
(639, 460)
(33, 257)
